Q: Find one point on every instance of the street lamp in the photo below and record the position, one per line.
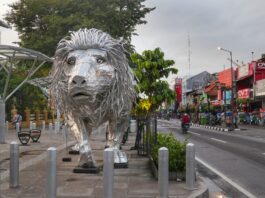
(232, 79)
(222, 87)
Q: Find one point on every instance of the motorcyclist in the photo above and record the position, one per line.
(185, 119)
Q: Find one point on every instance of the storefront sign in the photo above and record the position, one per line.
(243, 71)
(260, 88)
(216, 102)
(243, 93)
(260, 64)
(178, 89)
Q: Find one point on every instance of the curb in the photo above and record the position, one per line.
(212, 128)
(202, 193)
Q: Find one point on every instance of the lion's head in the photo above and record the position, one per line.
(91, 75)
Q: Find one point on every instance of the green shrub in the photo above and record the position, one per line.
(177, 151)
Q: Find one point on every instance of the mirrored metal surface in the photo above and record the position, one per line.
(92, 84)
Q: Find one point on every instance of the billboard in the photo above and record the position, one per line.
(243, 71)
(260, 88)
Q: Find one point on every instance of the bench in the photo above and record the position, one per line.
(25, 136)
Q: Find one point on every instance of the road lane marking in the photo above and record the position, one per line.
(263, 153)
(238, 187)
(218, 140)
(194, 133)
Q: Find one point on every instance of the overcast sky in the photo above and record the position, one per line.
(237, 25)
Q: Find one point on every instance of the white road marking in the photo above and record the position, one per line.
(218, 140)
(241, 189)
(263, 153)
(194, 133)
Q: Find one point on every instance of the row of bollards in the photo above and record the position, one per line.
(108, 170)
(163, 171)
(163, 164)
(14, 169)
(32, 125)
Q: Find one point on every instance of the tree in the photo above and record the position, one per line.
(41, 24)
(149, 68)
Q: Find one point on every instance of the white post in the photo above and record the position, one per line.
(43, 126)
(30, 125)
(133, 126)
(14, 165)
(2, 121)
(50, 127)
(7, 126)
(163, 172)
(33, 125)
(56, 127)
(190, 166)
(58, 114)
(108, 173)
(52, 178)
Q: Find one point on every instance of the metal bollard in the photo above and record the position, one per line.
(30, 125)
(52, 178)
(33, 125)
(50, 127)
(17, 127)
(14, 165)
(108, 173)
(190, 166)
(7, 126)
(56, 127)
(163, 172)
(43, 126)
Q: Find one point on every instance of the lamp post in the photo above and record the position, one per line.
(222, 87)
(232, 80)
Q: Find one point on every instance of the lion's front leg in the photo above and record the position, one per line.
(114, 141)
(111, 128)
(81, 132)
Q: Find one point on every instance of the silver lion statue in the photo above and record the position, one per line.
(92, 84)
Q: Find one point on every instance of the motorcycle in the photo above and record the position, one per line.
(185, 128)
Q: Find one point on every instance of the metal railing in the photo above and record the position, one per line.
(146, 135)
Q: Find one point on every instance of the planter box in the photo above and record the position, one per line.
(173, 176)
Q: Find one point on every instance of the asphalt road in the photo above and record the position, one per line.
(239, 158)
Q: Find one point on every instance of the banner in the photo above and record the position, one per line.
(243, 71)
(260, 64)
(243, 93)
(260, 88)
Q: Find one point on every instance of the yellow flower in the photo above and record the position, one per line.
(145, 104)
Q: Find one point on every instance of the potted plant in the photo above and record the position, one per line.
(177, 156)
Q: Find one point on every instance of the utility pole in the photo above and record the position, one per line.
(232, 82)
(189, 52)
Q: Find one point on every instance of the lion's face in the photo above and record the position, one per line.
(90, 75)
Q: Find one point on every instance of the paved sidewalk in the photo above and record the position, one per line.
(134, 182)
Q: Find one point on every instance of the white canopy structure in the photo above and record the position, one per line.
(43, 83)
(10, 57)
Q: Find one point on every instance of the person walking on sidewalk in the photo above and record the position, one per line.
(17, 119)
(235, 119)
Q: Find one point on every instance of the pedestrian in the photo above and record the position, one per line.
(235, 121)
(17, 119)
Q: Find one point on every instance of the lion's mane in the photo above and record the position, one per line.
(118, 99)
